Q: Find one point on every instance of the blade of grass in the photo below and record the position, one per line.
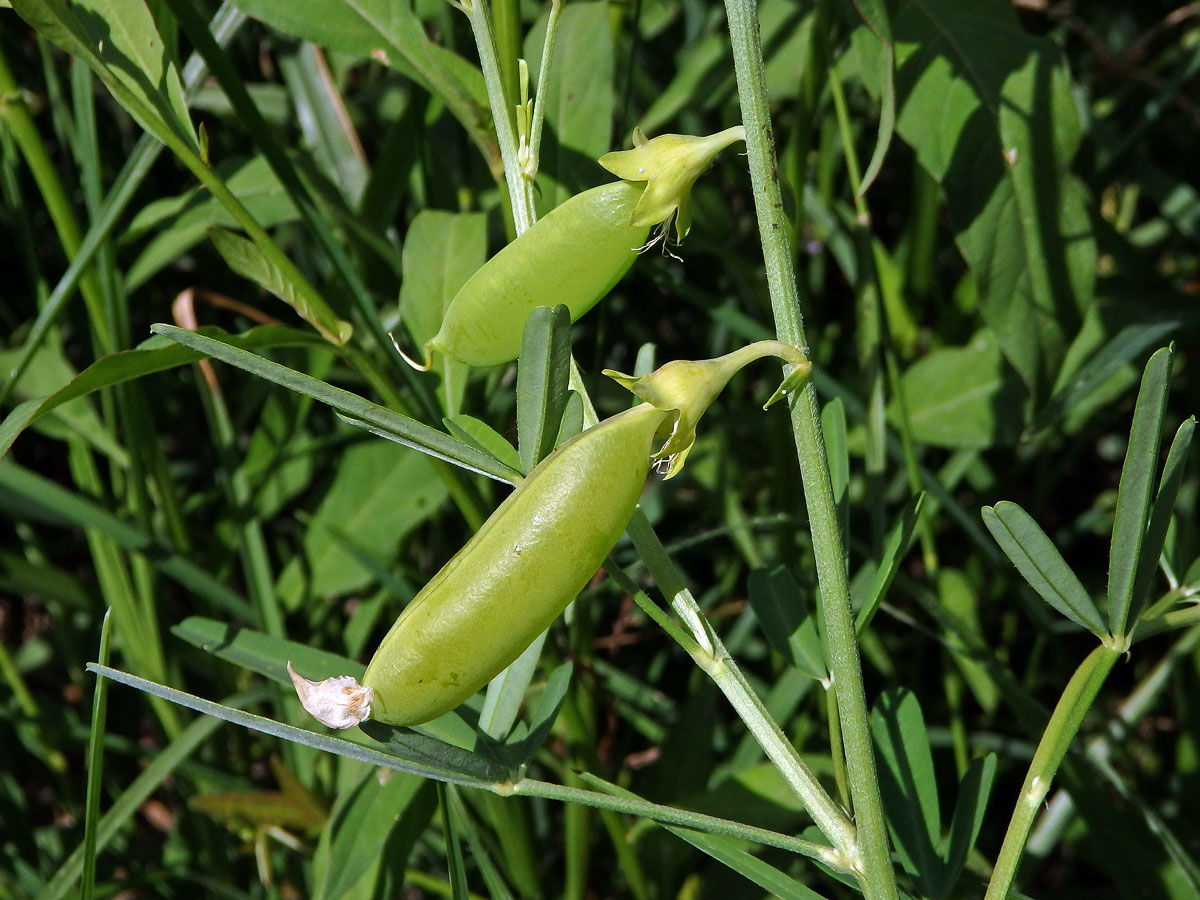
(95, 767)
(377, 419)
(164, 762)
(25, 493)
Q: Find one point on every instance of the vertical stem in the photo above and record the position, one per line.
(877, 876)
(520, 192)
(1068, 715)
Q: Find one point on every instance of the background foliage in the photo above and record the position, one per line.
(979, 320)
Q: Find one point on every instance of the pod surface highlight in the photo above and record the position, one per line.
(516, 574)
(573, 256)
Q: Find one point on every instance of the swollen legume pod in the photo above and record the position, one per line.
(580, 250)
(510, 581)
(533, 554)
(573, 256)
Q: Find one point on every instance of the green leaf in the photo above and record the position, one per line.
(787, 621)
(1160, 514)
(247, 259)
(542, 379)
(964, 396)
(1040, 564)
(428, 758)
(392, 34)
(154, 355)
(526, 740)
(26, 494)
(833, 425)
(122, 46)
(362, 826)
(182, 221)
(262, 653)
(506, 692)
(47, 372)
(471, 430)
(380, 492)
(969, 807)
(361, 412)
(441, 251)
(572, 419)
(1134, 494)
(895, 548)
(989, 111)
(1078, 383)
(908, 784)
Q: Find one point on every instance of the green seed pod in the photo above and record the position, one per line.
(573, 256)
(504, 588)
(534, 553)
(580, 249)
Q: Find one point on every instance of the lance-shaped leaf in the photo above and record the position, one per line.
(1137, 485)
(1040, 563)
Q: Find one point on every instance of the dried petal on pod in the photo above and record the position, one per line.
(339, 702)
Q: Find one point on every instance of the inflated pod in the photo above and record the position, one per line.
(580, 250)
(573, 256)
(534, 553)
(512, 579)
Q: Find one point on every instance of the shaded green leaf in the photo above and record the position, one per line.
(362, 827)
(1040, 563)
(787, 620)
(543, 375)
(247, 259)
(969, 807)
(379, 493)
(182, 221)
(908, 784)
(988, 109)
(1134, 493)
(895, 548)
(964, 396)
(441, 251)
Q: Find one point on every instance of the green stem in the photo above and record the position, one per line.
(528, 787)
(710, 654)
(877, 876)
(1064, 723)
(520, 192)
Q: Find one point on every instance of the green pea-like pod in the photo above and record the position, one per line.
(534, 554)
(514, 577)
(580, 250)
(573, 256)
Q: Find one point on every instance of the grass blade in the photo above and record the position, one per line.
(426, 766)
(355, 409)
(95, 766)
(125, 806)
